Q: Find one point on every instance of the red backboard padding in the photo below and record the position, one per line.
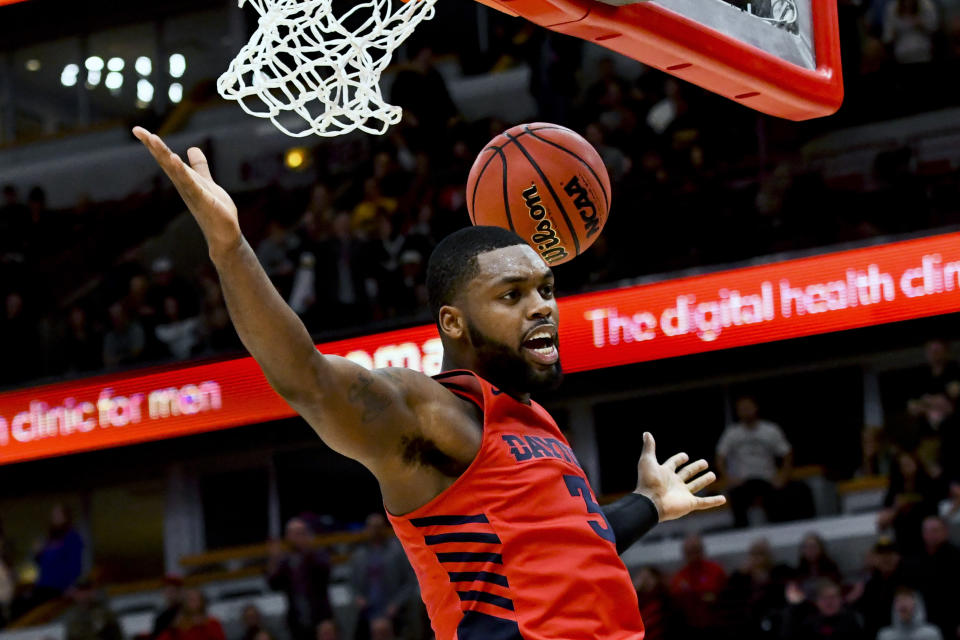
(694, 52)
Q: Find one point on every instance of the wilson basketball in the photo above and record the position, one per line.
(545, 183)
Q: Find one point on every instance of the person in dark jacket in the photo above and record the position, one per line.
(830, 619)
(934, 572)
(59, 558)
(303, 574)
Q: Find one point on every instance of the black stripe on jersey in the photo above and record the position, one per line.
(453, 386)
(469, 556)
(452, 374)
(481, 626)
(489, 598)
(431, 521)
(467, 536)
(479, 576)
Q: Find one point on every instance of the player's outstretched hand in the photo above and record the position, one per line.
(673, 485)
(212, 207)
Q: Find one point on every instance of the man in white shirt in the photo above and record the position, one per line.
(754, 458)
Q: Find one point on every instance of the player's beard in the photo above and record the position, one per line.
(505, 368)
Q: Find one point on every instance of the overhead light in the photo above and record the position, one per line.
(295, 158)
(114, 80)
(178, 64)
(68, 77)
(144, 90)
(33, 64)
(143, 65)
(115, 64)
(94, 63)
(176, 92)
(93, 79)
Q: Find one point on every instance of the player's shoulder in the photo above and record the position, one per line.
(416, 386)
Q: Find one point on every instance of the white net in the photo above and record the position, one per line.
(306, 60)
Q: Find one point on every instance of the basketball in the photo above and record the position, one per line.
(545, 183)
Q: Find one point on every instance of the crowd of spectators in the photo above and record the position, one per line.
(900, 594)
(894, 597)
(692, 186)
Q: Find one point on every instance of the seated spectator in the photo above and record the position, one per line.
(253, 627)
(910, 620)
(340, 274)
(81, 347)
(615, 160)
(126, 340)
(382, 256)
(909, 28)
(328, 630)
(216, 331)
(303, 574)
(933, 403)
(164, 282)
(696, 588)
(274, 253)
(179, 336)
(59, 558)
(381, 629)
(656, 607)
(831, 620)
(374, 204)
(747, 455)
(18, 339)
(422, 92)
(875, 603)
(192, 621)
(756, 589)
(90, 618)
(934, 572)
(172, 602)
(382, 579)
(815, 563)
(912, 496)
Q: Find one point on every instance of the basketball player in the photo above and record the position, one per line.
(496, 515)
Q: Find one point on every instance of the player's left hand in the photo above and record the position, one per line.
(672, 486)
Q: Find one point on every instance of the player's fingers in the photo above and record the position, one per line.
(692, 470)
(649, 445)
(199, 162)
(676, 460)
(709, 502)
(701, 483)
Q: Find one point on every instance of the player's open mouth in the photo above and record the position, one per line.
(541, 345)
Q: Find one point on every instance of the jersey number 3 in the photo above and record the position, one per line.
(578, 488)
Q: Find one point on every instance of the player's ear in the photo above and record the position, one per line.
(452, 323)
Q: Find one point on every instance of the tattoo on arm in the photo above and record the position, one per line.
(363, 394)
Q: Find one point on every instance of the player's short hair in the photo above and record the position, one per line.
(454, 262)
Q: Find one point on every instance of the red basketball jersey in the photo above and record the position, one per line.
(518, 548)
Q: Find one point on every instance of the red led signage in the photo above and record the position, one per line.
(794, 298)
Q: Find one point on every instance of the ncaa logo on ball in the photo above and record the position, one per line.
(545, 237)
(584, 204)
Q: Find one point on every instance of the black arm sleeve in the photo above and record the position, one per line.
(631, 517)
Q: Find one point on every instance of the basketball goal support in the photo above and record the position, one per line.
(678, 45)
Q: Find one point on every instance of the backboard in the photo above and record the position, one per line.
(780, 57)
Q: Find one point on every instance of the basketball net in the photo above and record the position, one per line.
(306, 61)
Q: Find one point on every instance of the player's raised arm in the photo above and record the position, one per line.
(357, 412)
